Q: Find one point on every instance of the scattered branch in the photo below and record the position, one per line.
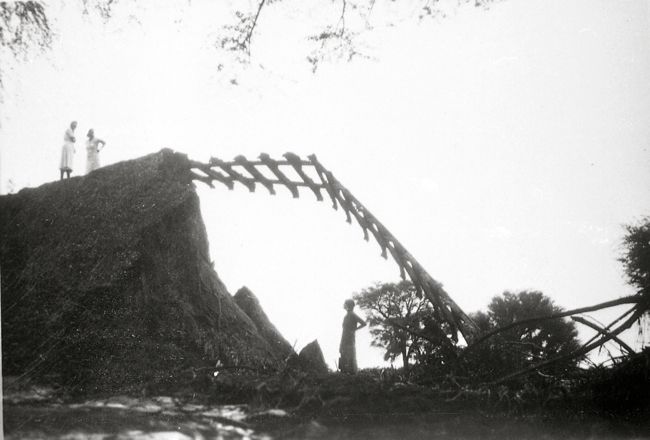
(103, 7)
(249, 35)
(633, 299)
(639, 311)
(602, 331)
(335, 42)
(342, 18)
(613, 323)
(242, 31)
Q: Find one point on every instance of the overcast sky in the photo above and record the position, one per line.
(503, 147)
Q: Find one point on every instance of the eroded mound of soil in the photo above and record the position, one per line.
(248, 302)
(107, 283)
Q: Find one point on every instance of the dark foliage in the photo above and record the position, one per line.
(401, 322)
(522, 346)
(620, 390)
(636, 255)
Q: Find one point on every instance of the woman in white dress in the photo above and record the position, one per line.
(67, 151)
(92, 150)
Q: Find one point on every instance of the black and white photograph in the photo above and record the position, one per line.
(325, 219)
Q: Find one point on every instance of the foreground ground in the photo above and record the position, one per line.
(375, 404)
(166, 418)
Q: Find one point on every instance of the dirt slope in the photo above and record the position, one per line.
(248, 302)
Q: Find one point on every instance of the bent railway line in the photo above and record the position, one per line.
(269, 173)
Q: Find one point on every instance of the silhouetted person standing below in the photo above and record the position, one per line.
(347, 349)
(92, 151)
(67, 151)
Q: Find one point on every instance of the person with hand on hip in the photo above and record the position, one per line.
(351, 323)
(92, 151)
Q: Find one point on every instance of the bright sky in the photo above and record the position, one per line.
(503, 147)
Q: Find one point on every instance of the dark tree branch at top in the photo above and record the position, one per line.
(334, 41)
(104, 7)
(22, 24)
(242, 32)
(342, 18)
(27, 24)
(370, 7)
(249, 35)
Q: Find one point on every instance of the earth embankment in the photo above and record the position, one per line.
(107, 282)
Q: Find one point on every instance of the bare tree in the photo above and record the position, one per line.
(25, 25)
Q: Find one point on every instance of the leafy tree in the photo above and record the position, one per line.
(401, 322)
(636, 262)
(522, 346)
(636, 255)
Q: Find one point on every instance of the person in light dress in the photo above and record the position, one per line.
(67, 151)
(93, 147)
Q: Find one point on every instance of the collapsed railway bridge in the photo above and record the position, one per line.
(311, 174)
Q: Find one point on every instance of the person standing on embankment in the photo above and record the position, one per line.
(67, 151)
(92, 151)
(351, 323)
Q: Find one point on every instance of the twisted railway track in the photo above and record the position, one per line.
(295, 173)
